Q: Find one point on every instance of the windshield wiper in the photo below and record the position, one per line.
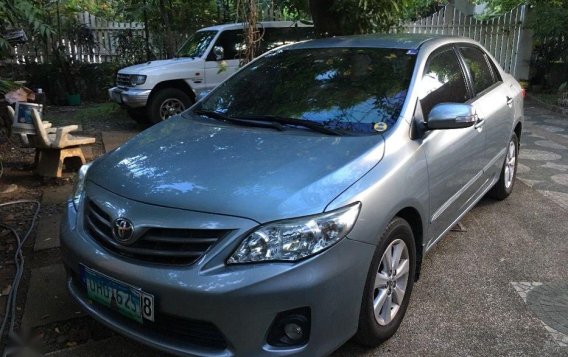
(320, 128)
(238, 121)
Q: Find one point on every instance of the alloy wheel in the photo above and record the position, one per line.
(510, 166)
(390, 282)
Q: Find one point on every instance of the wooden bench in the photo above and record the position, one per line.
(23, 134)
(53, 145)
(57, 145)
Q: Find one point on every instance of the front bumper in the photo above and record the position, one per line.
(130, 97)
(241, 300)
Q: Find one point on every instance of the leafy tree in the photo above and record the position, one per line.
(21, 14)
(350, 17)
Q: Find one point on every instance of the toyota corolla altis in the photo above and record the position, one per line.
(291, 208)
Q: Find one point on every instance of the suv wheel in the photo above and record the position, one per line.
(168, 102)
(389, 284)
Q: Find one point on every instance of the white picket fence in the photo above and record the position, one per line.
(104, 33)
(504, 36)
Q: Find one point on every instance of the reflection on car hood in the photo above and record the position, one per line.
(261, 174)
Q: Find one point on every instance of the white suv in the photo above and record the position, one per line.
(157, 90)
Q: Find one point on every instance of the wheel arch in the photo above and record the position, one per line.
(176, 83)
(518, 130)
(412, 216)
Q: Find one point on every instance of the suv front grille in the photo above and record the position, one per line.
(123, 80)
(156, 245)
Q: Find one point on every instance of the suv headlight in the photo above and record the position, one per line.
(79, 187)
(294, 239)
(136, 79)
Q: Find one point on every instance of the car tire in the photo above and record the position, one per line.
(375, 325)
(504, 186)
(139, 115)
(168, 102)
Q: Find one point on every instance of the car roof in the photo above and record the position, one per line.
(240, 25)
(398, 41)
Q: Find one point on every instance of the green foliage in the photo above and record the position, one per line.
(6, 86)
(366, 16)
(21, 14)
(349, 17)
(131, 48)
(416, 9)
(168, 20)
(91, 80)
(549, 18)
(498, 7)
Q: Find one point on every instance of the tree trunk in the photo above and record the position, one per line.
(168, 29)
(326, 21)
(251, 32)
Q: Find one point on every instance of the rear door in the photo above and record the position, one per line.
(494, 105)
(455, 157)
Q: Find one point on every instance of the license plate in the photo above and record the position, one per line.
(128, 300)
(115, 96)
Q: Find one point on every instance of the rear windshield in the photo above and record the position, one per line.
(351, 89)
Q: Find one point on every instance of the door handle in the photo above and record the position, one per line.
(509, 101)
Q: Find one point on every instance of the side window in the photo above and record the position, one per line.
(443, 81)
(481, 73)
(231, 41)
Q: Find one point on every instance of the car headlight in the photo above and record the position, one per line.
(79, 187)
(294, 239)
(136, 79)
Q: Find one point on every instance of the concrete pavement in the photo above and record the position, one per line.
(544, 153)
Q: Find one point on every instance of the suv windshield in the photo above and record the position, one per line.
(196, 45)
(349, 89)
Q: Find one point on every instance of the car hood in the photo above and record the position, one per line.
(160, 65)
(261, 174)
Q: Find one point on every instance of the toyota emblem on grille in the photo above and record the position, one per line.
(123, 230)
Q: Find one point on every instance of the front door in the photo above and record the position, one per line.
(455, 157)
(217, 71)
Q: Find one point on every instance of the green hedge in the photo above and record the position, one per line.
(91, 80)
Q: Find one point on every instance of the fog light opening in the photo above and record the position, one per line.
(290, 328)
(293, 331)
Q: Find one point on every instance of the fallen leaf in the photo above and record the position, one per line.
(71, 344)
(6, 290)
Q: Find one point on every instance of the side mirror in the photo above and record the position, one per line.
(219, 53)
(451, 116)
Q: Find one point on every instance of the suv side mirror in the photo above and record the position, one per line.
(219, 53)
(451, 116)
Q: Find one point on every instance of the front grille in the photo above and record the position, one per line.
(156, 245)
(196, 332)
(123, 80)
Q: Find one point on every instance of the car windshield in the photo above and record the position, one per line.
(196, 45)
(349, 89)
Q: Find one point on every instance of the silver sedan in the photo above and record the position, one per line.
(291, 208)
